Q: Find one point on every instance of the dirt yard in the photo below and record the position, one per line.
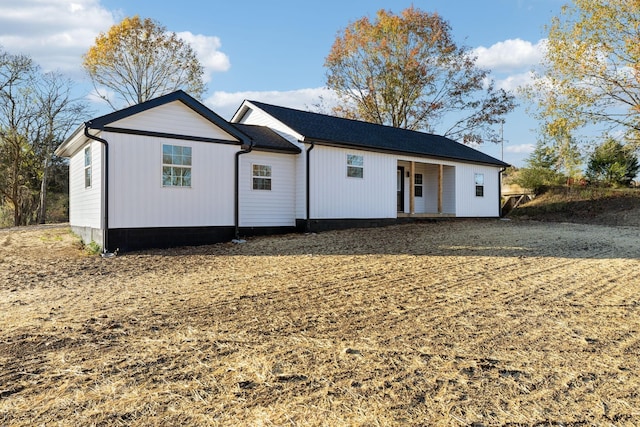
(462, 323)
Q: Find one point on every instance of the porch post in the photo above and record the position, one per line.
(412, 191)
(440, 170)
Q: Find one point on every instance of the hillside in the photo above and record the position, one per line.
(585, 206)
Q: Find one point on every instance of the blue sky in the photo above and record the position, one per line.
(273, 51)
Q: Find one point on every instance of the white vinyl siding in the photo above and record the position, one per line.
(334, 195)
(86, 202)
(273, 208)
(467, 203)
(260, 118)
(138, 199)
(173, 118)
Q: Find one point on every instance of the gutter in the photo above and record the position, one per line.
(105, 236)
(308, 196)
(237, 190)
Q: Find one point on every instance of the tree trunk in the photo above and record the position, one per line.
(43, 193)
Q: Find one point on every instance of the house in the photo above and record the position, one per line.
(171, 172)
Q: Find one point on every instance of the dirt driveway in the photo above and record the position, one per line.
(489, 322)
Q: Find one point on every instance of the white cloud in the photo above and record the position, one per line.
(515, 81)
(226, 103)
(509, 55)
(55, 33)
(520, 148)
(207, 50)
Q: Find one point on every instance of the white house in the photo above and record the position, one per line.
(171, 172)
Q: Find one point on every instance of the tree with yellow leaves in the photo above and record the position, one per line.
(406, 71)
(138, 59)
(591, 74)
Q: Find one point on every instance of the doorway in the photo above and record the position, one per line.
(400, 189)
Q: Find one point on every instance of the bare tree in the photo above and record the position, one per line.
(36, 112)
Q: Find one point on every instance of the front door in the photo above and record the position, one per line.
(400, 189)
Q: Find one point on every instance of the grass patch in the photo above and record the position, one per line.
(449, 323)
(581, 204)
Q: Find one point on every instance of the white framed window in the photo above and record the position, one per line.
(417, 181)
(176, 166)
(479, 180)
(261, 177)
(355, 166)
(87, 167)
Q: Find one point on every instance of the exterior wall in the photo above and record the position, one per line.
(268, 208)
(138, 199)
(173, 118)
(86, 203)
(260, 118)
(335, 195)
(467, 203)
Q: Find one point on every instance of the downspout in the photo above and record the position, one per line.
(105, 236)
(308, 196)
(237, 190)
(500, 192)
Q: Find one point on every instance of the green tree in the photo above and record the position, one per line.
(138, 59)
(592, 69)
(406, 71)
(542, 170)
(612, 164)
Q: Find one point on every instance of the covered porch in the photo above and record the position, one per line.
(425, 190)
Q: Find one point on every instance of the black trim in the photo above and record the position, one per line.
(236, 190)
(319, 225)
(132, 239)
(308, 183)
(168, 135)
(105, 236)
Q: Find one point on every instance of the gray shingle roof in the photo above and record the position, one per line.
(266, 139)
(332, 130)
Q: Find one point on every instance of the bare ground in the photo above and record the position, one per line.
(449, 323)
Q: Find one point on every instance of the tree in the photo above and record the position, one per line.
(58, 112)
(592, 69)
(18, 77)
(139, 60)
(541, 171)
(36, 112)
(612, 164)
(406, 71)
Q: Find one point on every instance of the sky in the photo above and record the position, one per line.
(274, 51)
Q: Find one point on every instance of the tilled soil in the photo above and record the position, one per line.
(441, 323)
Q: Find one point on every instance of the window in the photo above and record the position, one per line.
(261, 177)
(355, 166)
(479, 177)
(418, 185)
(176, 166)
(87, 167)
